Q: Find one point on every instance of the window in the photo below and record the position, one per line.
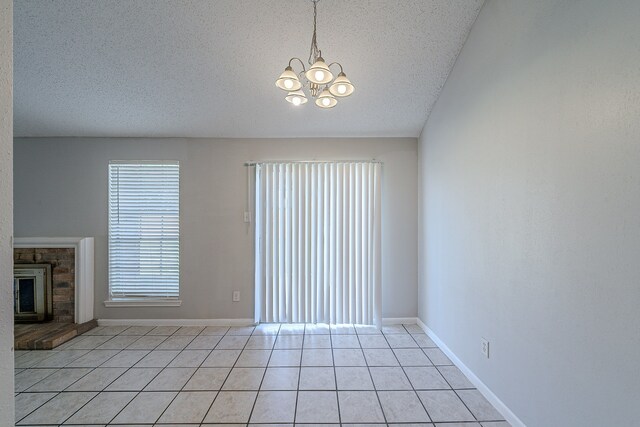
(144, 232)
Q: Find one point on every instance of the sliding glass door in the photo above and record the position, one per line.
(317, 255)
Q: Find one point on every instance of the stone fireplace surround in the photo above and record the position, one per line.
(80, 285)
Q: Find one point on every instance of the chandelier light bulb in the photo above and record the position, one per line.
(296, 100)
(319, 75)
(288, 83)
(342, 89)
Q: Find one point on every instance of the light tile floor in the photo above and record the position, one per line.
(270, 374)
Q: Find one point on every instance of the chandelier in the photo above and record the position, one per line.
(318, 81)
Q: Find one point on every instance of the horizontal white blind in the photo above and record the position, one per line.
(318, 242)
(144, 230)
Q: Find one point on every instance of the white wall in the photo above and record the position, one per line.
(530, 202)
(61, 190)
(6, 213)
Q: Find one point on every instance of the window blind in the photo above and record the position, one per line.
(317, 256)
(144, 230)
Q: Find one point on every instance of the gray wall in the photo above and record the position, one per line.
(61, 190)
(529, 211)
(6, 213)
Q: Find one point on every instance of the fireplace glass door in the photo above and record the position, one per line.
(25, 292)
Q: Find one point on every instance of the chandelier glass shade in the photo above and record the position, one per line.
(296, 97)
(319, 73)
(341, 86)
(318, 81)
(326, 99)
(288, 80)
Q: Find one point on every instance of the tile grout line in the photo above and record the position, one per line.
(92, 370)
(189, 379)
(449, 384)
(115, 379)
(405, 374)
(335, 376)
(305, 339)
(375, 389)
(295, 410)
(65, 390)
(262, 379)
(225, 378)
(57, 393)
(402, 367)
(138, 392)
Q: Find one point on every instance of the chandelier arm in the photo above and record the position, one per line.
(338, 64)
(301, 63)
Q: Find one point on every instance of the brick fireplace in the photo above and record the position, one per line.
(62, 261)
(71, 260)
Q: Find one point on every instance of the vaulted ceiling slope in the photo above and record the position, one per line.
(205, 68)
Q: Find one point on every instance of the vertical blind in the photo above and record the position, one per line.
(144, 229)
(317, 255)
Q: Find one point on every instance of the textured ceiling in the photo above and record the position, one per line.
(207, 68)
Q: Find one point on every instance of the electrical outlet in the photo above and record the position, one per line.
(236, 296)
(484, 347)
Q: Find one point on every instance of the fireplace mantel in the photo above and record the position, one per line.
(84, 268)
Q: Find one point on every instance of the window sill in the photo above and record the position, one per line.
(143, 303)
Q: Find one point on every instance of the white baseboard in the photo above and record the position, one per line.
(399, 321)
(482, 388)
(175, 322)
(220, 322)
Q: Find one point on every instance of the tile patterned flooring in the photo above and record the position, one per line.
(271, 374)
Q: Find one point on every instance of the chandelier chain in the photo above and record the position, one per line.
(314, 52)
